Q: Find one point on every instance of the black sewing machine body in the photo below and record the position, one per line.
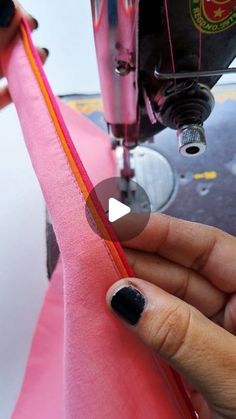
(132, 42)
(139, 42)
(201, 189)
(216, 47)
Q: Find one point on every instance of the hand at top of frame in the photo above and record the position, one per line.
(184, 307)
(10, 15)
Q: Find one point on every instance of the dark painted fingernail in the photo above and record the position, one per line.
(129, 303)
(46, 51)
(7, 12)
(36, 24)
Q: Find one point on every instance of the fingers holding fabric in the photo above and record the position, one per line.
(10, 16)
(182, 336)
(207, 250)
(177, 280)
(5, 97)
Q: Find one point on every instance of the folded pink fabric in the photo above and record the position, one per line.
(83, 363)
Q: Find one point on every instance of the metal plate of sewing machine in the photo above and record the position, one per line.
(153, 173)
(202, 188)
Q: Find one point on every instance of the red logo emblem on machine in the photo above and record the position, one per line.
(211, 16)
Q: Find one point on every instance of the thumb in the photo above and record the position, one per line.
(201, 351)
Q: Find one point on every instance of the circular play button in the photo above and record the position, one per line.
(126, 205)
(117, 210)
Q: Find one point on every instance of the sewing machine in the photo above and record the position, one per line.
(158, 61)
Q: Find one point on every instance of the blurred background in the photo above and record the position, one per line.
(65, 28)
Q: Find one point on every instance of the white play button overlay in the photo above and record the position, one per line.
(117, 210)
(126, 207)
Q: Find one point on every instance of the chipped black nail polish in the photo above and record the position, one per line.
(7, 12)
(129, 303)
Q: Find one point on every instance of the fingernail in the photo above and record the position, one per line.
(129, 303)
(46, 51)
(36, 24)
(7, 12)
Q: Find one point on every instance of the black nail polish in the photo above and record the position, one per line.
(129, 303)
(36, 24)
(7, 12)
(46, 51)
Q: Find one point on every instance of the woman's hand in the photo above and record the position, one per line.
(10, 15)
(184, 307)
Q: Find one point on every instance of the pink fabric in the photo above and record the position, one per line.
(83, 362)
(44, 374)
